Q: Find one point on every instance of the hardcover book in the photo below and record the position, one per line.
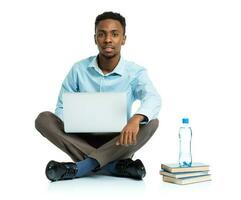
(176, 168)
(183, 174)
(187, 180)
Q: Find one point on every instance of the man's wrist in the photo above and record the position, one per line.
(138, 118)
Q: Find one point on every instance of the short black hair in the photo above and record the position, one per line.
(111, 15)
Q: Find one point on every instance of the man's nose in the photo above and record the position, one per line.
(108, 38)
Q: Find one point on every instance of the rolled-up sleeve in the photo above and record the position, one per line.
(145, 91)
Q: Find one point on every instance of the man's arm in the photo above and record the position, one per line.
(69, 85)
(150, 100)
(149, 109)
(130, 131)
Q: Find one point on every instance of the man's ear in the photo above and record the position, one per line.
(95, 38)
(124, 40)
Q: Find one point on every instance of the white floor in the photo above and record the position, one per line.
(104, 187)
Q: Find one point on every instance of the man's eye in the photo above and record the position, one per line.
(100, 34)
(115, 34)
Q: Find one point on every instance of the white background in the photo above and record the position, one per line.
(192, 52)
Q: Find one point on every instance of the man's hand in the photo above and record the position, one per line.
(129, 132)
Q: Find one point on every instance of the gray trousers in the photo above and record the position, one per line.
(100, 147)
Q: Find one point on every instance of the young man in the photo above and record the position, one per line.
(106, 72)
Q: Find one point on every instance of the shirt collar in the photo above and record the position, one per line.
(119, 69)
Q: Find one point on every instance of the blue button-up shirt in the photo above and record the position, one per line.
(86, 76)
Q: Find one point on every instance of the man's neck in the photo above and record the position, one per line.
(107, 65)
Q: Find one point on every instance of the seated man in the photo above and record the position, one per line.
(106, 72)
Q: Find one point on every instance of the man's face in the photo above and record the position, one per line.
(109, 37)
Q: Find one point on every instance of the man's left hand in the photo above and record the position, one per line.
(130, 131)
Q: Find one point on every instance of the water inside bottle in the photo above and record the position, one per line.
(185, 156)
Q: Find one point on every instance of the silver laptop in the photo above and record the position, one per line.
(103, 112)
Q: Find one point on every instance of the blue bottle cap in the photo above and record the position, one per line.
(185, 120)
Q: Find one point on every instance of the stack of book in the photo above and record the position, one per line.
(173, 173)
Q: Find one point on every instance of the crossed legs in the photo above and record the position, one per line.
(81, 146)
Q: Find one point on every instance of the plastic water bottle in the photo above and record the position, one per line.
(185, 139)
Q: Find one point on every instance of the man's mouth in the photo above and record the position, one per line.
(108, 49)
